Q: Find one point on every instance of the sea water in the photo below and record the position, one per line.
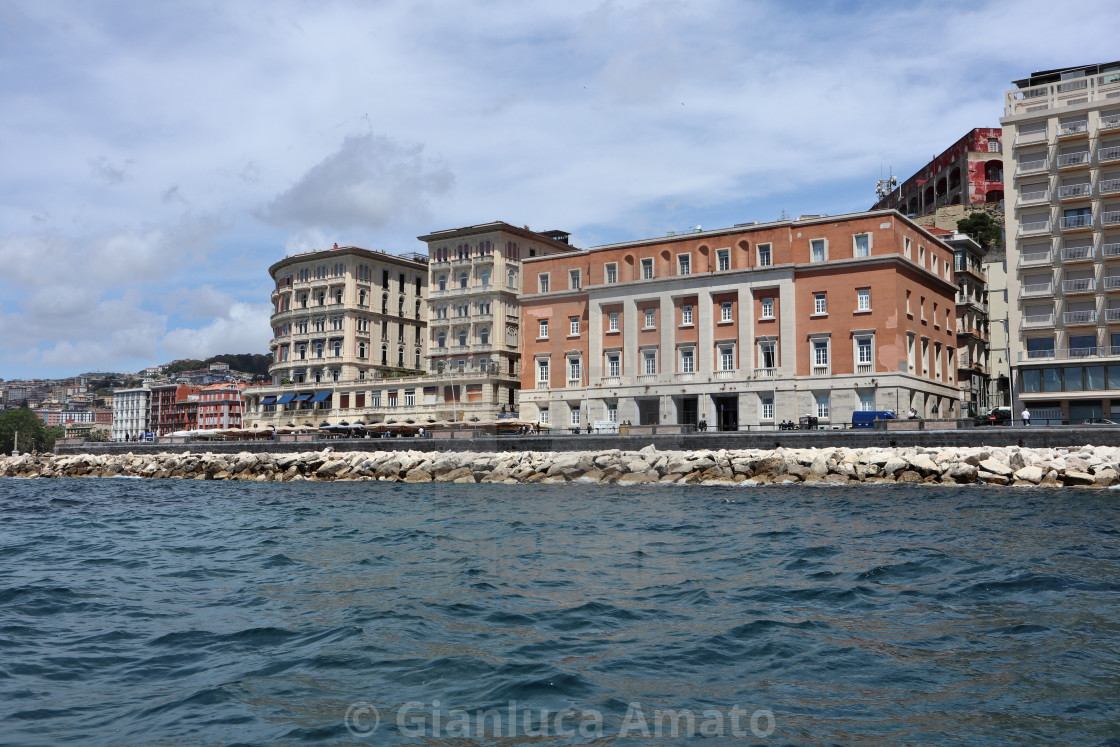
(212, 613)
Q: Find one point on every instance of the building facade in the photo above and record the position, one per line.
(220, 406)
(131, 413)
(974, 373)
(751, 325)
(968, 172)
(1062, 130)
(163, 406)
(344, 314)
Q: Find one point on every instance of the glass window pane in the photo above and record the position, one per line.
(1094, 377)
(1073, 378)
(1114, 377)
(1051, 380)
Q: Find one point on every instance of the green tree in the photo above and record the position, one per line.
(33, 435)
(981, 228)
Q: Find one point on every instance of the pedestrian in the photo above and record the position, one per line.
(1026, 415)
(702, 425)
(913, 414)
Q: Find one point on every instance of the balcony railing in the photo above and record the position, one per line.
(865, 368)
(1110, 186)
(1073, 128)
(820, 370)
(1035, 258)
(1112, 282)
(1111, 251)
(1034, 197)
(1038, 320)
(1029, 138)
(1079, 285)
(1072, 160)
(1035, 166)
(610, 380)
(1112, 316)
(726, 374)
(647, 378)
(1036, 289)
(685, 376)
(1099, 351)
(1110, 218)
(1034, 227)
(1077, 253)
(1048, 96)
(1108, 155)
(765, 373)
(1077, 222)
(1079, 317)
(1074, 191)
(1111, 122)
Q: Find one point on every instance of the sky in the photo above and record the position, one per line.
(156, 158)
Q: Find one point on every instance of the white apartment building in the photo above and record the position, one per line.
(131, 413)
(1061, 134)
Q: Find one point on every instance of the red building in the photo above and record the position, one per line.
(969, 172)
(164, 405)
(220, 406)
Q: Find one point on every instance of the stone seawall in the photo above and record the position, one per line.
(1083, 466)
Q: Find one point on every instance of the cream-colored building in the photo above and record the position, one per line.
(131, 413)
(1061, 134)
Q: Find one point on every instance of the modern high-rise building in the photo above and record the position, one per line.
(749, 325)
(131, 413)
(1061, 132)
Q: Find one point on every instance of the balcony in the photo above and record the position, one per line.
(725, 375)
(1075, 192)
(610, 381)
(685, 376)
(1079, 285)
(1055, 96)
(820, 370)
(1110, 186)
(1035, 166)
(865, 368)
(765, 373)
(647, 378)
(1033, 290)
(1111, 251)
(1037, 320)
(1110, 154)
(1034, 228)
(1077, 223)
(1031, 138)
(1078, 253)
(1112, 316)
(574, 383)
(1110, 218)
(1111, 122)
(1035, 197)
(1074, 129)
(1079, 318)
(1073, 160)
(1112, 283)
(1035, 258)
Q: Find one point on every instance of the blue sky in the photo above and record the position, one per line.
(158, 157)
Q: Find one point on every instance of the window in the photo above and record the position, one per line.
(908, 311)
(921, 255)
(318, 350)
(409, 397)
(338, 295)
(768, 308)
(484, 335)
(463, 277)
(862, 245)
(573, 279)
(647, 268)
(684, 264)
(462, 338)
(573, 326)
(441, 340)
(863, 351)
(767, 412)
(723, 259)
(375, 398)
(542, 371)
(442, 282)
(650, 318)
(863, 299)
(574, 415)
(906, 246)
(649, 362)
(542, 333)
(612, 321)
(725, 312)
(544, 415)
(822, 406)
(336, 348)
(820, 353)
(336, 374)
(484, 278)
(612, 272)
(820, 303)
(612, 412)
(766, 354)
(764, 259)
(688, 361)
(866, 402)
(573, 369)
(686, 315)
(614, 365)
(818, 252)
(922, 307)
(727, 358)
(511, 278)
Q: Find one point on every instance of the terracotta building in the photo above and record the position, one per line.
(164, 407)
(968, 172)
(748, 325)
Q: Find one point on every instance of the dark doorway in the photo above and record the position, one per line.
(687, 410)
(647, 412)
(727, 412)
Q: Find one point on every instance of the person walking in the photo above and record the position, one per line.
(1026, 415)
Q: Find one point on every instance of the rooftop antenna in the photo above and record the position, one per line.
(884, 187)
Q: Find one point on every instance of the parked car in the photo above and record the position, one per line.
(1098, 421)
(997, 416)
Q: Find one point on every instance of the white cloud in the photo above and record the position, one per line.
(244, 328)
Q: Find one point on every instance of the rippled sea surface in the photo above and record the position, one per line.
(172, 612)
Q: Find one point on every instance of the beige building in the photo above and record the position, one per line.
(1062, 151)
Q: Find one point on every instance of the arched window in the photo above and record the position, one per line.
(484, 336)
(443, 282)
(462, 337)
(484, 277)
(417, 364)
(385, 355)
(441, 340)
(385, 303)
(463, 280)
(361, 298)
(361, 350)
(400, 357)
(993, 170)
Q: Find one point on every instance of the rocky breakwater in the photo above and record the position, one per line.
(1085, 466)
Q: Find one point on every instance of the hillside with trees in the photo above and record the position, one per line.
(247, 362)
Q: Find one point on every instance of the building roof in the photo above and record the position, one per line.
(413, 261)
(1050, 76)
(548, 238)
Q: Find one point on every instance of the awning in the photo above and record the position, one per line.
(285, 399)
(321, 397)
(302, 397)
(268, 401)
